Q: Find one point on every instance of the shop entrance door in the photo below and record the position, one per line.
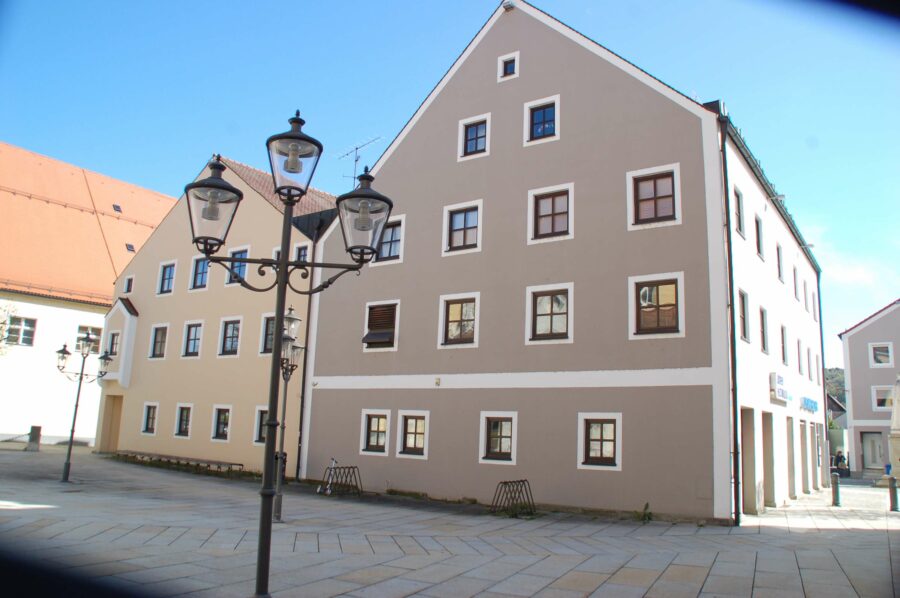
(873, 457)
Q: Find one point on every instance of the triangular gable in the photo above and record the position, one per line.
(561, 28)
(869, 320)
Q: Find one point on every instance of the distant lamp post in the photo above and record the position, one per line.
(212, 204)
(290, 358)
(62, 357)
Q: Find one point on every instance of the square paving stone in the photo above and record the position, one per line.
(458, 587)
(673, 589)
(391, 588)
(685, 573)
(372, 575)
(642, 578)
(580, 581)
(728, 585)
(521, 585)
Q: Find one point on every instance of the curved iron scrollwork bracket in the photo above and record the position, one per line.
(266, 265)
(235, 276)
(322, 286)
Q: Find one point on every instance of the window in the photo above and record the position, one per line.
(192, 339)
(412, 434)
(796, 287)
(259, 435)
(238, 271)
(389, 249)
(550, 315)
(818, 371)
(129, 247)
(381, 326)
(117, 208)
(541, 121)
(20, 331)
(183, 421)
(815, 306)
(600, 441)
(200, 274)
(881, 398)
(805, 297)
(95, 333)
(149, 426)
(799, 357)
(657, 306)
(158, 342)
(268, 334)
(166, 279)
(302, 253)
(507, 67)
(809, 371)
(763, 330)
(463, 231)
(112, 345)
(744, 318)
(231, 332)
(221, 417)
(551, 214)
(499, 438)
(784, 353)
(759, 237)
(475, 138)
(458, 321)
(739, 212)
(881, 355)
(654, 198)
(779, 262)
(129, 284)
(376, 432)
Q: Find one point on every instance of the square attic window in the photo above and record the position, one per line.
(129, 247)
(117, 208)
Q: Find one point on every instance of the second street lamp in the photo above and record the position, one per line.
(212, 204)
(290, 357)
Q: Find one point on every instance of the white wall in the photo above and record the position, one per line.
(33, 392)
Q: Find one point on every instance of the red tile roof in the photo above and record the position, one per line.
(314, 201)
(66, 228)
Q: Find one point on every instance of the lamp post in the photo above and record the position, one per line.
(213, 203)
(62, 356)
(290, 355)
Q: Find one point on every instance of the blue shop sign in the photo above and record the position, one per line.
(809, 404)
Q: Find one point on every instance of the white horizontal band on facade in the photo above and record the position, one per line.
(879, 423)
(580, 379)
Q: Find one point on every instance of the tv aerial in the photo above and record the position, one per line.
(355, 152)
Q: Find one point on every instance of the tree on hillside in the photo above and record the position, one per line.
(834, 383)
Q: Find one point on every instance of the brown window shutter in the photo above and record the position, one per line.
(381, 317)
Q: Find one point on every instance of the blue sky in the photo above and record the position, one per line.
(146, 91)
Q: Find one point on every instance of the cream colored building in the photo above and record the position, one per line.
(193, 348)
(67, 234)
(585, 286)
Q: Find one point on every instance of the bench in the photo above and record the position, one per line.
(189, 463)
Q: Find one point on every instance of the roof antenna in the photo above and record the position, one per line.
(355, 152)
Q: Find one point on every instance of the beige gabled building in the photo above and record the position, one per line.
(587, 282)
(192, 347)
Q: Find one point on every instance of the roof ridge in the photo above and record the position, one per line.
(269, 174)
(869, 317)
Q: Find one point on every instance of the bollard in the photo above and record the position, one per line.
(892, 489)
(835, 490)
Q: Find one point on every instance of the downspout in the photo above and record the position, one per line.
(826, 480)
(311, 258)
(735, 412)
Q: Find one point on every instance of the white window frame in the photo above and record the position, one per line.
(212, 429)
(144, 418)
(758, 230)
(675, 169)
(526, 119)
(482, 436)
(256, 424)
(529, 313)
(178, 406)
(364, 432)
(532, 194)
(875, 406)
(241, 331)
(461, 137)
(125, 285)
(890, 346)
(579, 454)
(297, 247)
(401, 218)
(107, 334)
(476, 295)
(365, 326)
(632, 306)
(231, 252)
(445, 233)
(184, 339)
(401, 414)
(262, 333)
(504, 58)
(153, 328)
(194, 260)
(174, 264)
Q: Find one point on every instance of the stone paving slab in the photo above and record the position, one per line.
(177, 534)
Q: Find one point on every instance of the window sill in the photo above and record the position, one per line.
(497, 458)
(374, 451)
(556, 337)
(745, 339)
(540, 140)
(741, 233)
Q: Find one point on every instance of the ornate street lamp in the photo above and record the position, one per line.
(290, 358)
(62, 356)
(213, 202)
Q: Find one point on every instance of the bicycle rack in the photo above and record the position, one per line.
(513, 498)
(344, 479)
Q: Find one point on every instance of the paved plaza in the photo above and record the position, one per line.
(175, 533)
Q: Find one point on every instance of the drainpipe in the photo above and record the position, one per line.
(311, 258)
(825, 442)
(735, 411)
